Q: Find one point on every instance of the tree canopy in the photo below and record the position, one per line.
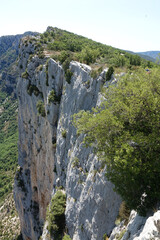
(125, 131)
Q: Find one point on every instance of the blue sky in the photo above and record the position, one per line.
(126, 24)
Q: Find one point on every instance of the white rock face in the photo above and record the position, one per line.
(91, 202)
(51, 154)
(139, 228)
(92, 205)
(34, 181)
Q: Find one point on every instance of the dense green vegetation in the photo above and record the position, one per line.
(8, 115)
(8, 143)
(125, 131)
(56, 216)
(64, 45)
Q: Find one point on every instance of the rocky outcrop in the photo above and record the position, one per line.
(9, 46)
(91, 203)
(52, 155)
(34, 181)
(138, 228)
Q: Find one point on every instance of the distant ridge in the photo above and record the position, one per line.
(150, 54)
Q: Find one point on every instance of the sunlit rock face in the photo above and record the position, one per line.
(52, 155)
(138, 228)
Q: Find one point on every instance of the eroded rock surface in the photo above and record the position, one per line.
(51, 154)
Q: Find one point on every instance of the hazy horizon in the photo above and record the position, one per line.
(129, 25)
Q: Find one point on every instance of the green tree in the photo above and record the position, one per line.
(63, 56)
(109, 73)
(88, 55)
(56, 216)
(125, 131)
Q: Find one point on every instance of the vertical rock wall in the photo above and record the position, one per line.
(52, 155)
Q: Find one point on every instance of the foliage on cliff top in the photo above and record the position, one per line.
(126, 133)
(64, 44)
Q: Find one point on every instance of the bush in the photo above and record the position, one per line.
(32, 89)
(56, 215)
(109, 73)
(66, 64)
(88, 55)
(126, 134)
(66, 237)
(53, 98)
(63, 56)
(41, 108)
(75, 162)
(25, 74)
(94, 74)
(64, 133)
(68, 75)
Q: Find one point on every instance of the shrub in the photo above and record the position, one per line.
(119, 237)
(109, 73)
(75, 162)
(94, 74)
(64, 133)
(105, 237)
(88, 55)
(63, 56)
(32, 89)
(41, 54)
(56, 215)
(53, 98)
(68, 75)
(66, 64)
(25, 74)
(40, 67)
(66, 237)
(41, 108)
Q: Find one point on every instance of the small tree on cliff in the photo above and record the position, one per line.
(126, 130)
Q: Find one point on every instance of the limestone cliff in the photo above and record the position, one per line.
(9, 46)
(51, 154)
(138, 228)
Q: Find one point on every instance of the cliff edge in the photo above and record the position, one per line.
(52, 155)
